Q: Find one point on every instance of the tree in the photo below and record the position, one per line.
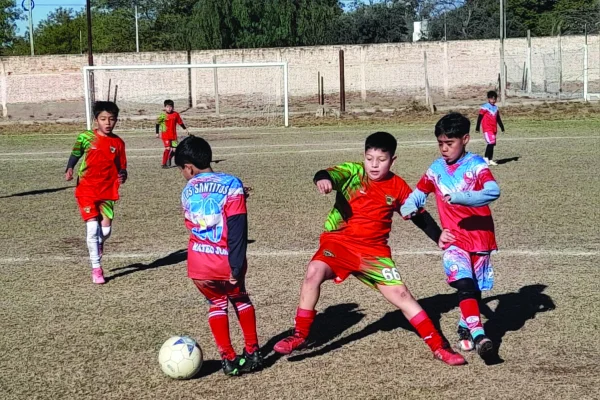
(9, 15)
(376, 23)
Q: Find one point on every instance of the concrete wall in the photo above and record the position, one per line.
(382, 68)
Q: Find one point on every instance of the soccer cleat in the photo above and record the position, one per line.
(289, 344)
(164, 166)
(233, 367)
(484, 346)
(98, 276)
(465, 341)
(492, 162)
(449, 356)
(254, 361)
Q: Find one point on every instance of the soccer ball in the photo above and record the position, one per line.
(180, 357)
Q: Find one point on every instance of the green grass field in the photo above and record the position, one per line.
(63, 337)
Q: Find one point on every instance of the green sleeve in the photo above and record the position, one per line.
(340, 174)
(82, 143)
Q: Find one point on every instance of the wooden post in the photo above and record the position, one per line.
(529, 69)
(585, 68)
(108, 93)
(363, 78)
(428, 98)
(560, 70)
(342, 83)
(116, 89)
(446, 67)
(216, 84)
(322, 91)
(319, 87)
(523, 77)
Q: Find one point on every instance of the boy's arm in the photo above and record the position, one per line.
(479, 119)
(337, 176)
(476, 198)
(157, 129)
(427, 224)
(180, 123)
(160, 123)
(237, 229)
(122, 164)
(500, 124)
(412, 203)
(237, 243)
(77, 152)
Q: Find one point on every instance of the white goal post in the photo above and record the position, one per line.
(86, 79)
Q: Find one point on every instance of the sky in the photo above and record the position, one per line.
(42, 8)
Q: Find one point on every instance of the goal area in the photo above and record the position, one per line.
(206, 95)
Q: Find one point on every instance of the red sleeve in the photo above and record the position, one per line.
(485, 175)
(122, 156)
(426, 185)
(236, 202)
(179, 120)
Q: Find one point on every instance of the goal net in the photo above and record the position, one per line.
(206, 95)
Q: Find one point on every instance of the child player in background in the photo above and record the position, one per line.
(101, 172)
(214, 205)
(463, 187)
(166, 126)
(488, 121)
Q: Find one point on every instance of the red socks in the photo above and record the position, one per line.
(247, 319)
(424, 326)
(469, 310)
(166, 155)
(219, 325)
(304, 320)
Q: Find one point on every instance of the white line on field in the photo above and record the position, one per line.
(413, 143)
(302, 253)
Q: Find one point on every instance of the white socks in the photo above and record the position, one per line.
(93, 240)
(103, 233)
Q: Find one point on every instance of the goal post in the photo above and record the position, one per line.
(251, 95)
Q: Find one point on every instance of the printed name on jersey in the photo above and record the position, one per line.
(208, 249)
(204, 187)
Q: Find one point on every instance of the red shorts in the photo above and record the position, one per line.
(91, 208)
(490, 137)
(372, 267)
(168, 143)
(216, 290)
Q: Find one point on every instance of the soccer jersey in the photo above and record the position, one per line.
(103, 158)
(208, 200)
(473, 227)
(489, 120)
(168, 125)
(364, 208)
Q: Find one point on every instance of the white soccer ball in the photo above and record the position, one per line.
(180, 357)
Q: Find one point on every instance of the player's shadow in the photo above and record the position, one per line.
(36, 192)
(513, 310)
(174, 258)
(507, 160)
(209, 367)
(327, 326)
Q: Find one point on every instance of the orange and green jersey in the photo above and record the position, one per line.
(167, 124)
(364, 208)
(103, 157)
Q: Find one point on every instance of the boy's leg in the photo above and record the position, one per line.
(218, 320)
(105, 228)
(459, 272)
(172, 154)
(244, 310)
(317, 273)
(490, 139)
(489, 151)
(166, 153)
(90, 214)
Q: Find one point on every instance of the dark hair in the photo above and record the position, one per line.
(382, 141)
(169, 103)
(492, 94)
(107, 106)
(193, 150)
(453, 125)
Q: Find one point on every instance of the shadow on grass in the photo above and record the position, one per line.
(513, 310)
(171, 259)
(36, 192)
(507, 160)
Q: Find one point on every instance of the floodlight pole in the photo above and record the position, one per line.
(30, 13)
(137, 31)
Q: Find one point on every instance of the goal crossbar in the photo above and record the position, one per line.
(87, 69)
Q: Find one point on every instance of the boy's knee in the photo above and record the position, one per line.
(317, 273)
(399, 292)
(467, 289)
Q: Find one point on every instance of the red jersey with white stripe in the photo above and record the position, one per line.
(208, 200)
(489, 121)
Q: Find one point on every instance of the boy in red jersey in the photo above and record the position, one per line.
(102, 171)
(489, 120)
(355, 242)
(214, 205)
(463, 186)
(166, 125)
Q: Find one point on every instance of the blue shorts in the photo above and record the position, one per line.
(460, 264)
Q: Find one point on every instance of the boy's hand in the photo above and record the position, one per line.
(157, 135)
(122, 176)
(187, 132)
(247, 190)
(447, 199)
(232, 280)
(446, 239)
(69, 174)
(324, 186)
